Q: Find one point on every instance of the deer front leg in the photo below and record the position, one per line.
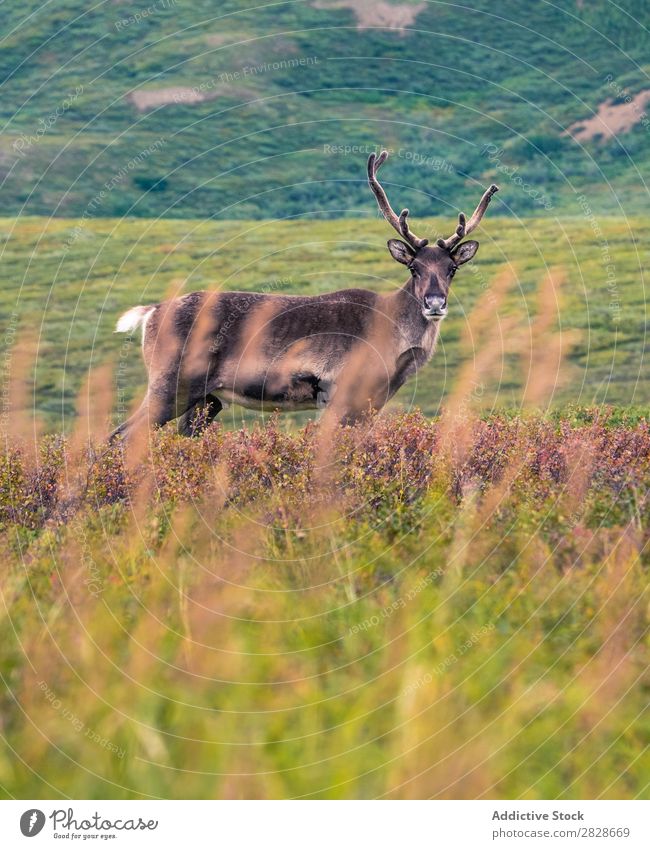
(349, 407)
(367, 393)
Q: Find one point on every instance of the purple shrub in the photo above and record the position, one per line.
(602, 472)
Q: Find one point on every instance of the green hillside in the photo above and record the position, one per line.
(231, 110)
(65, 285)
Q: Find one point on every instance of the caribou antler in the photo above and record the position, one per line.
(400, 222)
(464, 227)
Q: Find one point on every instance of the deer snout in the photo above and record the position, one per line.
(435, 306)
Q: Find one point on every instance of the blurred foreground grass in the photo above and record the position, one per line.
(439, 610)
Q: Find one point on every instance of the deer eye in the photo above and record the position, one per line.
(453, 270)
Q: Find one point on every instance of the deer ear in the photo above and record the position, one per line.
(464, 252)
(400, 251)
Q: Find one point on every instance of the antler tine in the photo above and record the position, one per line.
(464, 227)
(400, 222)
(408, 234)
(456, 236)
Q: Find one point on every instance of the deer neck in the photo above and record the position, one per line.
(413, 328)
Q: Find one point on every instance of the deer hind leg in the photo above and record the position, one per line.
(172, 394)
(158, 407)
(195, 420)
(325, 393)
(167, 398)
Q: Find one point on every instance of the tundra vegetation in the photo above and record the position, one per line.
(412, 608)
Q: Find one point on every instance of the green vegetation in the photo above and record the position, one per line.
(286, 83)
(64, 289)
(444, 610)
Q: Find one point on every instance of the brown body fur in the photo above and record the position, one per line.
(280, 352)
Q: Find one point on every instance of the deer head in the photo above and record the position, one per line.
(432, 267)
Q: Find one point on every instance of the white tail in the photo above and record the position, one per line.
(132, 319)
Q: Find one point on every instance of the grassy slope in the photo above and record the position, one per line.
(457, 81)
(70, 299)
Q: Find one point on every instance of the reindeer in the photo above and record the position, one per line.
(350, 350)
